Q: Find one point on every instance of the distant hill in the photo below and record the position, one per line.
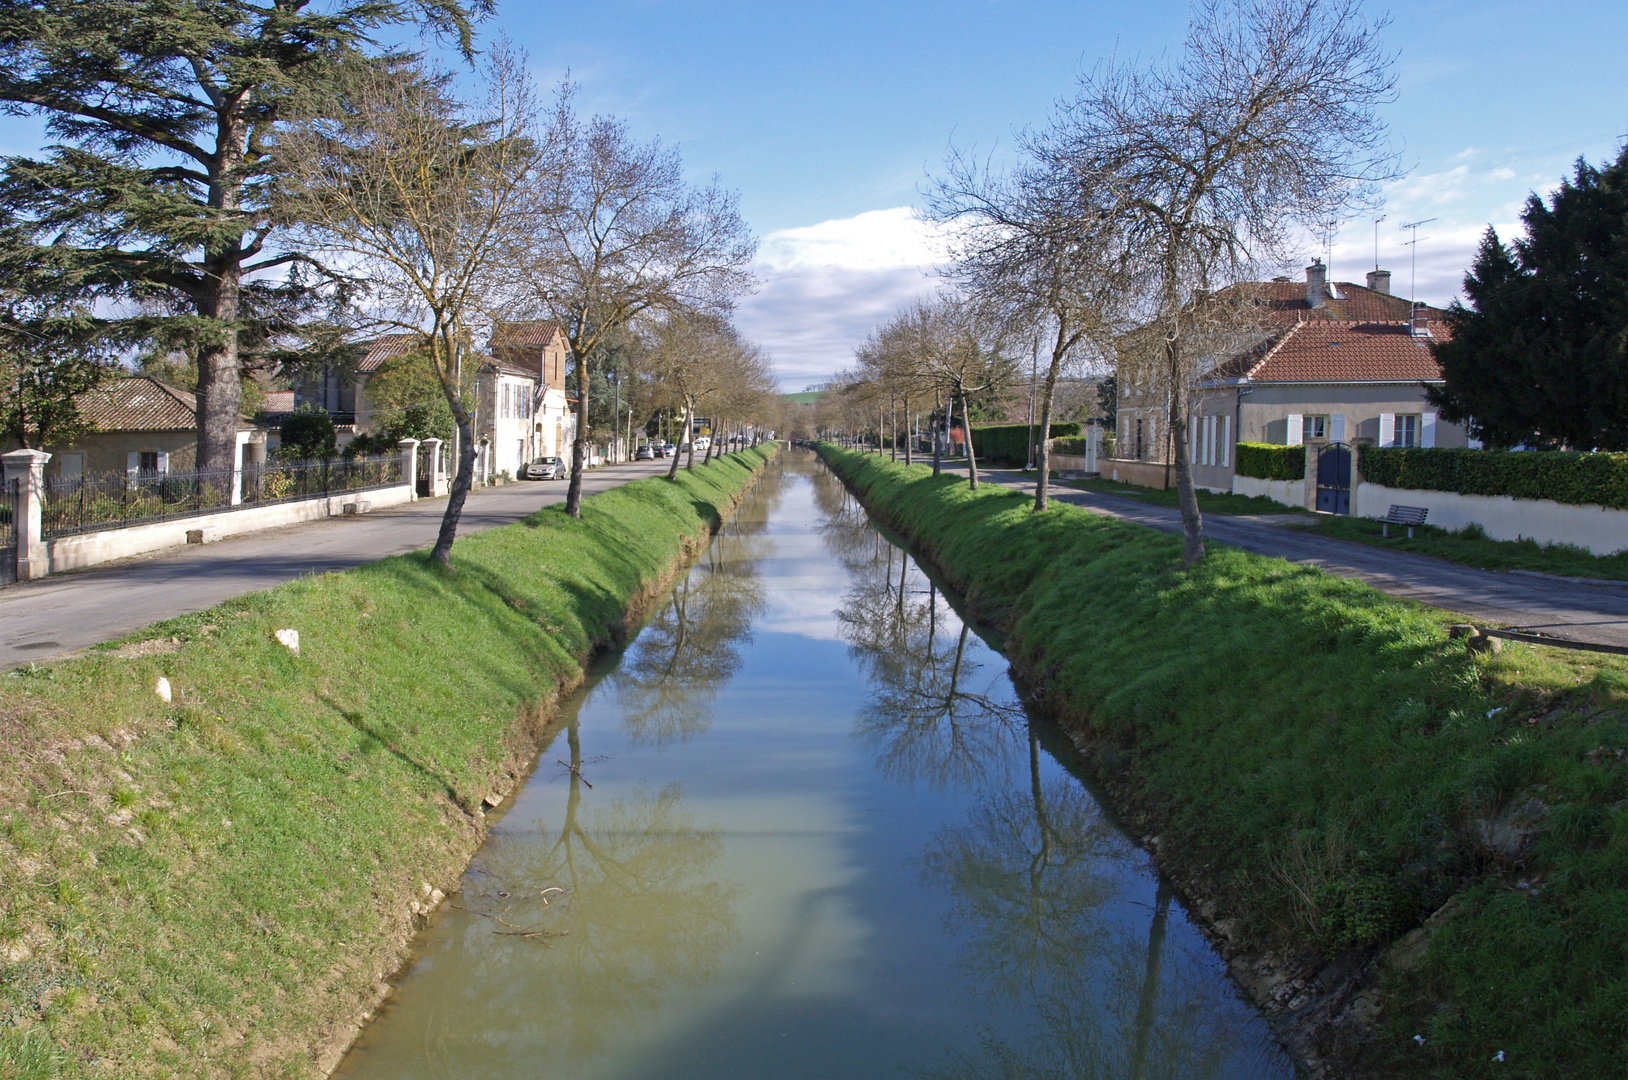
(807, 397)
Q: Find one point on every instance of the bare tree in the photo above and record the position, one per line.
(621, 233)
(1267, 124)
(1029, 245)
(420, 194)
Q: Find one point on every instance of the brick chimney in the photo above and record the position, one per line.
(1316, 284)
(1380, 280)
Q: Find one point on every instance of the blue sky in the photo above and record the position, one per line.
(827, 118)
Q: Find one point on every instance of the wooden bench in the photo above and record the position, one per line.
(1403, 515)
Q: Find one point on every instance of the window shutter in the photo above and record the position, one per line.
(1336, 427)
(1297, 430)
(132, 463)
(1209, 441)
(163, 463)
(1226, 442)
(1387, 429)
(1195, 449)
(1427, 429)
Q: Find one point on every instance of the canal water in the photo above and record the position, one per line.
(802, 827)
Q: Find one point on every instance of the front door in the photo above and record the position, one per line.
(1334, 479)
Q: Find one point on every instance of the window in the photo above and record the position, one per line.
(1314, 427)
(148, 463)
(1407, 429)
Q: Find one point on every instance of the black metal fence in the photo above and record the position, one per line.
(115, 500)
(9, 504)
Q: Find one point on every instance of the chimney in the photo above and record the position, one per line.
(1380, 280)
(1316, 285)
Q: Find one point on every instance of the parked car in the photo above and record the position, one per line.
(702, 442)
(668, 449)
(544, 468)
(645, 453)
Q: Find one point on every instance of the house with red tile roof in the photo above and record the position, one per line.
(1335, 362)
(139, 424)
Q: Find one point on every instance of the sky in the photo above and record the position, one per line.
(829, 118)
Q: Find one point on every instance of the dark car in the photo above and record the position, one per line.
(645, 453)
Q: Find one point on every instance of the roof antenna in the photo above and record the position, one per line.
(1413, 280)
(1377, 220)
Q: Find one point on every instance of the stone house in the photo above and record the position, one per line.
(1334, 362)
(141, 425)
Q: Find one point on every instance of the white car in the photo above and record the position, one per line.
(544, 468)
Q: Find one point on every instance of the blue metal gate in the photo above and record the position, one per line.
(1334, 479)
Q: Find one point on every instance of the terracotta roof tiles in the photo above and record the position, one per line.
(1348, 352)
(141, 403)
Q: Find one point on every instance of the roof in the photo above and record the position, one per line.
(492, 363)
(141, 403)
(1284, 302)
(1343, 352)
(388, 347)
(519, 335)
(278, 401)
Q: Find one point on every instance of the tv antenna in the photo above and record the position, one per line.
(1413, 273)
(1377, 220)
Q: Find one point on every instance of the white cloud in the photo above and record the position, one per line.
(826, 286)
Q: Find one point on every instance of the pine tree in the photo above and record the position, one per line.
(155, 200)
(1540, 355)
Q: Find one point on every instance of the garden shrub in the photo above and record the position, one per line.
(1583, 479)
(1267, 461)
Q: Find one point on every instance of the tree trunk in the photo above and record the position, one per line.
(893, 429)
(672, 470)
(1147, 1003)
(972, 454)
(465, 474)
(220, 387)
(909, 436)
(939, 427)
(1192, 522)
(1042, 482)
(579, 445)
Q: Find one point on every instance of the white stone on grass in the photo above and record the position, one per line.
(290, 639)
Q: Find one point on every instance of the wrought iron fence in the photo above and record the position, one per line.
(115, 500)
(9, 503)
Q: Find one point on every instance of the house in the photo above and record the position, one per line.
(1333, 362)
(537, 348)
(141, 425)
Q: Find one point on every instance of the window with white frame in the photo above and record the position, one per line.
(1314, 426)
(1407, 429)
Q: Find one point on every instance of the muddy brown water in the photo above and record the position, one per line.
(803, 827)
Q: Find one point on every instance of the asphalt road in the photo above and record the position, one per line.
(1551, 606)
(64, 613)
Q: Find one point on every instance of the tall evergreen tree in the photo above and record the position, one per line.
(153, 205)
(1540, 355)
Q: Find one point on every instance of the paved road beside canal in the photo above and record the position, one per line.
(67, 612)
(1540, 605)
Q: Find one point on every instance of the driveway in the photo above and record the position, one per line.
(63, 613)
(1537, 604)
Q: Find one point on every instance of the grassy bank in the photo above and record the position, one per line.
(1354, 794)
(216, 886)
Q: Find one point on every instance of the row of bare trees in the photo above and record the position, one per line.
(1121, 233)
(452, 216)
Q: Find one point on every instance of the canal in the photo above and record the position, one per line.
(803, 827)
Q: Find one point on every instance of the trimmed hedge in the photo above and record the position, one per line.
(1069, 446)
(1267, 461)
(1581, 479)
(1008, 444)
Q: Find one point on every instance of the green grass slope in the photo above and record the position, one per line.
(216, 886)
(1342, 780)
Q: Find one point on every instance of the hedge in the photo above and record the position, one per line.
(1582, 479)
(1068, 446)
(1008, 444)
(1267, 461)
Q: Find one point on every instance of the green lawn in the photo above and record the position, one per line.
(1209, 502)
(1477, 550)
(1331, 765)
(200, 887)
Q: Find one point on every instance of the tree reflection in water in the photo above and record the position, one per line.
(618, 906)
(1046, 888)
(670, 676)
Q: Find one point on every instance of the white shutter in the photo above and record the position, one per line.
(163, 463)
(1297, 430)
(1427, 429)
(132, 463)
(1336, 427)
(1209, 442)
(1387, 429)
(1226, 441)
(1195, 448)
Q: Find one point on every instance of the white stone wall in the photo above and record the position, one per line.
(1594, 528)
(1287, 492)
